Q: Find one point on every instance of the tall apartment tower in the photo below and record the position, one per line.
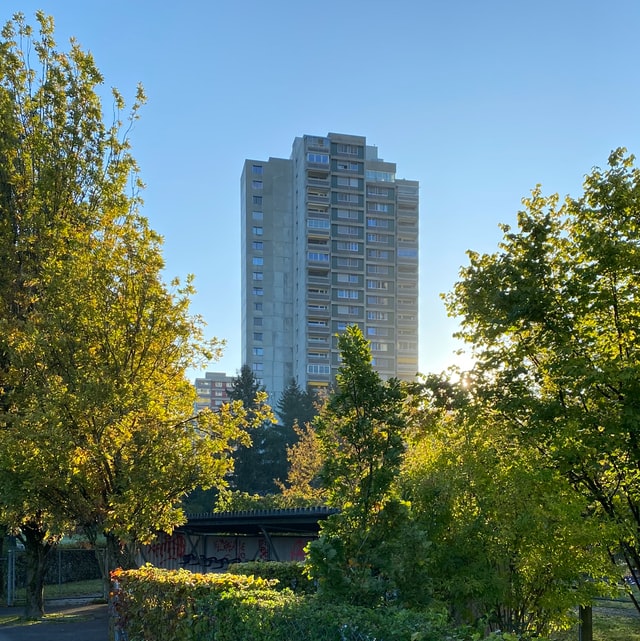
(329, 239)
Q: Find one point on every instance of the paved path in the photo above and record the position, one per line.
(77, 622)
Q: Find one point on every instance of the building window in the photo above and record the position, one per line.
(320, 257)
(257, 244)
(258, 276)
(318, 355)
(256, 184)
(380, 176)
(348, 293)
(380, 254)
(317, 223)
(372, 190)
(257, 336)
(407, 253)
(349, 310)
(256, 169)
(347, 230)
(318, 369)
(350, 150)
(257, 307)
(319, 159)
(384, 239)
(345, 246)
(348, 165)
(383, 207)
(377, 331)
(347, 214)
(347, 262)
(380, 316)
(257, 231)
(258, 291)
(379, 347)
(313, 322)
(257, 215)
(258, 367)
(377, 300)
(257, 260)
(347, 181)
(346, 278)
(346, 198)
(377, 269)
(257, 321)
(257, 200)
(377, 284)
(379, 223)
(258, 351)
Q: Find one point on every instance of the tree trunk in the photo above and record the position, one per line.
(118, 555)
(38, 548)
(3, 580)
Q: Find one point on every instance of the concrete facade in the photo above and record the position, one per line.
(329, 239)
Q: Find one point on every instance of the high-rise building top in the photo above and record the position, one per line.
(329, 239)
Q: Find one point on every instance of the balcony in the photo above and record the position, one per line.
(318, 198)
(318, 182)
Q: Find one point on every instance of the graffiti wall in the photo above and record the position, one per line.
(212, 553)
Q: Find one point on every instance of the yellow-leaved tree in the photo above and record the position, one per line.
(97, 428)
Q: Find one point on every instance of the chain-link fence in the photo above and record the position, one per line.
(66, 566)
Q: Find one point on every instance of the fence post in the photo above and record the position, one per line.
(11, 577)
(585, 629)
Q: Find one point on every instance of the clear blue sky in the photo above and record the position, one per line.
(479, 101)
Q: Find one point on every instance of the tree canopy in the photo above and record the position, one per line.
(96, 411)
(512, 544)
(553, 320)
(296, 405)
(363, 551)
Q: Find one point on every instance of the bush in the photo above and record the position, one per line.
(173, 605)
(179, 605)
(290, 574)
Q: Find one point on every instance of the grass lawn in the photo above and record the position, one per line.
(90, 588)
(612, 621)
(618, 623)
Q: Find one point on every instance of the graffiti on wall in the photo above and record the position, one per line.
(166, 548)
(211, 553)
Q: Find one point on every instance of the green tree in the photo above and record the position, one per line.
(513, 547)
(96, 410)
(361, 554)
(553, 317)
(296, 405)
(245, 388)
(260, 463)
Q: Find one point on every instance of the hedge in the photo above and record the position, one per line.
(289, 574)
(176, 605)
